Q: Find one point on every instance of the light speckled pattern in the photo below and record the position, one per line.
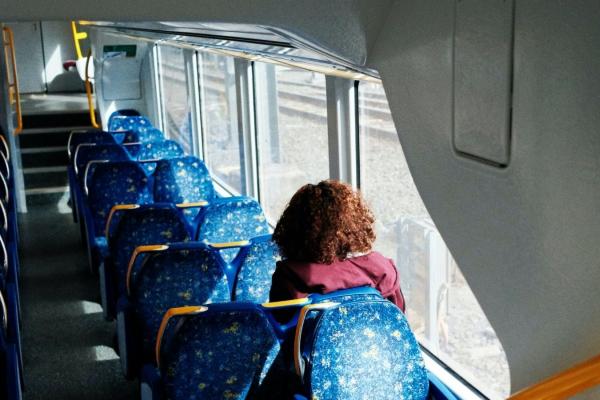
(115, 183)
(159, 149)
(364, 350)
(151, 225)
(66, 342)
(255, 273)
(126, 123)
(229, 355)
(175, 278)
(183, 180)
(143, 135)
(232, 219)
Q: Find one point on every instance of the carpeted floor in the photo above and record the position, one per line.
(67, 345)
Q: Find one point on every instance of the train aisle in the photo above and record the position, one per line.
(67, 345)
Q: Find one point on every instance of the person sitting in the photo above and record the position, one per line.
(325, 236)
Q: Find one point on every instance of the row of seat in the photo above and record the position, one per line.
(11, 359)
(187, 275)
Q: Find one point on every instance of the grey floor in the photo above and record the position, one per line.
(67, 345)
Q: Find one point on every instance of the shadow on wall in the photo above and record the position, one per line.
(68, 81)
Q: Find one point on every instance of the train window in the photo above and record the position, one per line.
(441, 308)
(291, 121)
(222, 138)
(176, 101)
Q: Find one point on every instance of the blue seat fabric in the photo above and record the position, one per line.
(153, 224)
(183, 180)
(225, 355)
(255, 268)
(121, 182)
(128, 112)
(128, 123)
(231, 219)
(363, 349)
(185, 274)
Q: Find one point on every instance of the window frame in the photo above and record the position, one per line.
(343, 121)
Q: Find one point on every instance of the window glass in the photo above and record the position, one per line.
(223, 140)
(441, 309)
(176, 101)
(291, 111)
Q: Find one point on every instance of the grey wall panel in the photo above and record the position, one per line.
(482, 79)
(138, 72)
(30, 56)
(526, 236)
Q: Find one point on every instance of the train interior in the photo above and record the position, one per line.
(148, 152)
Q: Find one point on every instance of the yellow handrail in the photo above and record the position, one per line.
(172, 312)
(77, 36)
(88, 91)
(564, 384)
(13, 88)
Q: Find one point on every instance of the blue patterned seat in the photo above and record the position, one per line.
(128, 112)
(255, 265)
(149, 224)
(175, 275)
(182, 180)
(153, 151)
(144, 135)
(163, 149)
(76, 138)
(128, 123)
(92, 136)
(111, 183)
(359, 349)
(231, 219)
(222, 351)
(86, 152)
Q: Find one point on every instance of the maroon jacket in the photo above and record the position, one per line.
(293, 280)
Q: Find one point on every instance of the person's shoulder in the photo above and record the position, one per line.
(377, 259)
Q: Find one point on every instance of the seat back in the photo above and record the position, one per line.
(159, 150)
(92, 136)
(86, 152)
(219, 351)
(231, 219)
(128, 123)
(179, 274)
(182, 180)
(358, 349)
(112, 183)
(255, 266)
(149, 224)
(144, 135)
(128, 112)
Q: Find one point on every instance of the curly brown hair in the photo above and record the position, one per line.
(323, 223)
